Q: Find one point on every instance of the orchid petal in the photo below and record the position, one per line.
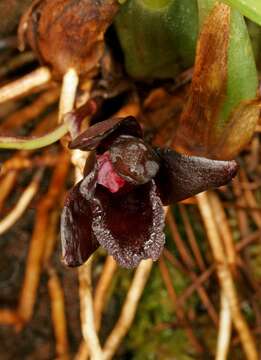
(103, 133)
(182, 176)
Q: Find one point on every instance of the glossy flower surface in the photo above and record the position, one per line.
(119, 203)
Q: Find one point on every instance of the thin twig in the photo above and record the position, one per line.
(101, 290)
(225, 327)
(191, 238)
(225, 277)
(187, 259)
(178, 307)
(37, 244)
(250, 200)
(22, 204)
(182, 248)
(100, 299)
(193, 287)
(17, 119)
(58, 314)
(23, 85)
(224, 228)
(17, 62)
(87, 318)
(10, 317)
(128, 310)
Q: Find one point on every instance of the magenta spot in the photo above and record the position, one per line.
(107, 176)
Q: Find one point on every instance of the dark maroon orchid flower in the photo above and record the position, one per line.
(119, 202)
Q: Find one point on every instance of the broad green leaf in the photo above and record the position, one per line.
(249, 8)
(158, 37)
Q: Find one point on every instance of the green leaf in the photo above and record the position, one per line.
(249, 8)
(158, 37)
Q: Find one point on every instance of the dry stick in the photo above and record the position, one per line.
(225, 277)
(191, 238)
(32, 111)
(58, 314)
(51, 233)
(22, 204)
(128, 310)
(250, 200)
(224, 228)
(225, 328)
(19, 163)
(100, 299)
(55, 289)
(87, 318)
(23, 85)
(193, 287)
(175, 262)
(8, 182)
(184, 252)
(100, 294)
(179, 309)
(37, 244)
(9, 317)
(242, 218)
(83, 352)
(245, 241)
(6, 185)
(17, 62)
(243, 207)
(185, 256)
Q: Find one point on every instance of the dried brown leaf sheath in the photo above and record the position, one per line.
(67, 33)
(12, 10)
(209, 83)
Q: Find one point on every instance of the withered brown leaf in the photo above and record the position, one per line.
(67, 33)
(195, 133)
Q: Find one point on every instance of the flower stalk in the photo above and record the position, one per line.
(16, 143)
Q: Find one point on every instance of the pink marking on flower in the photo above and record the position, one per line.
(107, 176)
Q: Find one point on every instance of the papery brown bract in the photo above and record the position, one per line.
(68, 34)
(196, 130)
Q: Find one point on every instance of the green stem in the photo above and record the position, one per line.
(34, 143)
(249, 8)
